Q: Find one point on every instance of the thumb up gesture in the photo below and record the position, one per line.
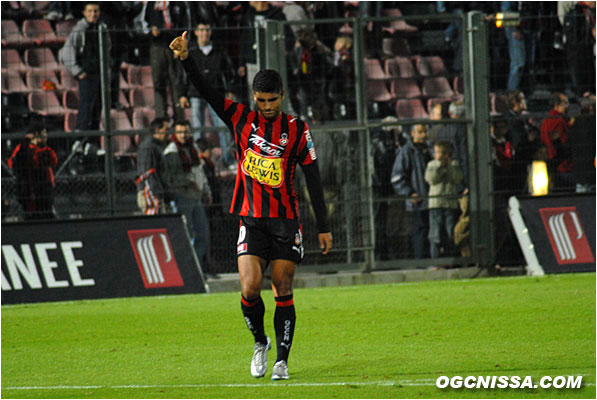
(180, 46)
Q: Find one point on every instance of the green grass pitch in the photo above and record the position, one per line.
(382, 341)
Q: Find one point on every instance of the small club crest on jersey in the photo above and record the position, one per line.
(284, 139)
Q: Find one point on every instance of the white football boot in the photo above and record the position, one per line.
(280, 371)
(259, 361)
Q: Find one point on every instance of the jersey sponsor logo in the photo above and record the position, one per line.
(566, 235)
(155, 258)
(265, 146)
(310, 145)
(263, 169)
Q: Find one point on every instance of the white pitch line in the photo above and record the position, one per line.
(403, 382)
(416, 382)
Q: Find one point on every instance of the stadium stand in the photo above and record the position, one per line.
(40, 32)
(11, 35)
(410, 108)
(41, 58)
(377, 80)
(45, 104)
(12, 82)
(11, 60)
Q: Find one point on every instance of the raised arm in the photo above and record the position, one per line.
(216, 99)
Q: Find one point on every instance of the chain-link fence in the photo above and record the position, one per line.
(363, 78)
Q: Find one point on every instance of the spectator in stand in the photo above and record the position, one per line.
(516, 46)
(80, 56)
(437, 112)
(253, 16)
(59, 10)
(501, 155)
(341, 81)
(313, 60)
(408, 179)
(582, 144)
(578, 26)
(554, 133)
(151, 170)
(385, 142)
(456, 133)
(213, 61)
(188, 186)
(32, 162)
(444, 177)
(164, 18)
(523, 136)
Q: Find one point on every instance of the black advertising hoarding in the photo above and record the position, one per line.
(562, 230)
(98, 258)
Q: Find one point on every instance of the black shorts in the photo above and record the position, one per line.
(270, 239)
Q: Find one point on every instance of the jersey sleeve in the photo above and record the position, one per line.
(306, 148)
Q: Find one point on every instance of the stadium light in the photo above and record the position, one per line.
(508, 18)
(540, 179)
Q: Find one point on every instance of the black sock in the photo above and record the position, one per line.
(253, 311)
(284, 321)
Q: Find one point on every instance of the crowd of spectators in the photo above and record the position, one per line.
(321, 71)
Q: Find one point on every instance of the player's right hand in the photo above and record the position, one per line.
(180, 46)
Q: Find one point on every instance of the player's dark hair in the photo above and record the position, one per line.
(267, 81)
(157, 123)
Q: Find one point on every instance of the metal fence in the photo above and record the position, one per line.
(344, 76)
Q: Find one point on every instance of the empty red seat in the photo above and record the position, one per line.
(142, 97)
(70, 100)
(397, 25)
(12, 61)
(410, 108)
(40, 31)
(142, 118)
(377, 80)
(41, 58)
(67, 81)
(70, 121)
(437, 87)
(12, 82)
(405, 89)
(11, 35)
(36, 78)
(430, 66)
(63, 29)
(400, 67)
(395, 46)
(139, 76)
(45, 103)
(121, 144)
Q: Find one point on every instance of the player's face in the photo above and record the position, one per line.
(269, 104)
(160, 133)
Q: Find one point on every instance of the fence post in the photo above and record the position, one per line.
(104, 60)
(476, 79)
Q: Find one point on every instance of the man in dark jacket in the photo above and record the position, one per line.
(582, 145)
(164, 18)
(215, 64)
(408, 179)
(255, 14)
(554, 133)
(151, 174)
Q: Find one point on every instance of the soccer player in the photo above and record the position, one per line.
(269, 145)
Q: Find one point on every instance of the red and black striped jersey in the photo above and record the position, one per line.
(268, 153)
